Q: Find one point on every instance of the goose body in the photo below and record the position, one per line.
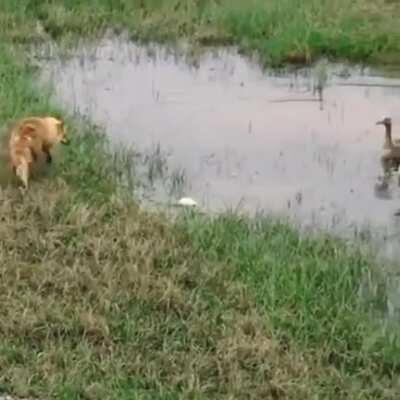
(391, 147)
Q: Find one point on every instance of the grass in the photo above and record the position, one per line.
(100, 298)
(297, 31)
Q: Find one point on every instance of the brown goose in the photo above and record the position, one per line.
(391, 147)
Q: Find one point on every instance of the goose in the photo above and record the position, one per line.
(391, 147)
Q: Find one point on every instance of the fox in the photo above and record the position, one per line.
(29, 138)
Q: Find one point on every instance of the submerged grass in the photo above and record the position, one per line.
(279, 30)
(101, 299)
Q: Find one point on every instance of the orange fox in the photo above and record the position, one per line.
(30, 137)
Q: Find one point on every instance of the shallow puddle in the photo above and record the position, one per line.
(303, 143)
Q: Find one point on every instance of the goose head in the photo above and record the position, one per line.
(386, 121)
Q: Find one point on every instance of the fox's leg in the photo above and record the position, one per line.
(22, 172)
(34, 155)
(46, 151)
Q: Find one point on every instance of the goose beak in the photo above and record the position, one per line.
(379, 123)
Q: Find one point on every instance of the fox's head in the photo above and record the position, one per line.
(60, 129)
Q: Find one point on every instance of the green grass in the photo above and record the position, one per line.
(100, 298)
(279, 30)
(308, 285)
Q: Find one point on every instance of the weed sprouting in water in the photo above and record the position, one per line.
(125, 161)
(320, 78)
(155, 161)
(177, 183)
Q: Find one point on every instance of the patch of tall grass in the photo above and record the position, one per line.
(278, 30)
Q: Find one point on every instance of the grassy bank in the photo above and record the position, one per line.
(279, 30)
(101, 299)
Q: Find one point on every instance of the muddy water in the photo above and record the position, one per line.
(304, 143)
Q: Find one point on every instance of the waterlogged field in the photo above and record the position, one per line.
(102, 298)
(216, 127)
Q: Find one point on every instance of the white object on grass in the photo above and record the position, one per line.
(187, 202)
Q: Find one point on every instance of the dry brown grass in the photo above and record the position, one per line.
(94, 300)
